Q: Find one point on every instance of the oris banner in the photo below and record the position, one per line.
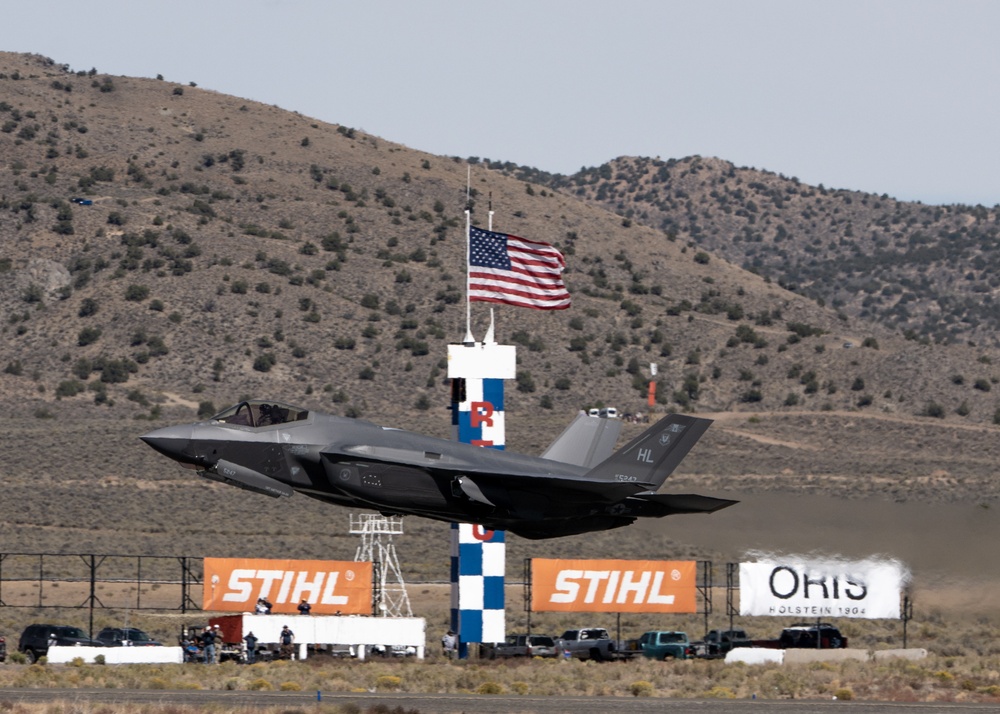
(612, 586)
(330, 587)
(797, 587)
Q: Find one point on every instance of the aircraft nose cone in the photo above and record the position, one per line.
(171, 441)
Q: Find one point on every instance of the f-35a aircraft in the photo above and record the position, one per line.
(577, 486)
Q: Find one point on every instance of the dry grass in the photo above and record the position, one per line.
(936, 679)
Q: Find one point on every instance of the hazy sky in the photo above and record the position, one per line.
(891, 96)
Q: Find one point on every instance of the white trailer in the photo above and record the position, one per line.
(326, 631)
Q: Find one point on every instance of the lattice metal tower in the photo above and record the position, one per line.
(391, 599)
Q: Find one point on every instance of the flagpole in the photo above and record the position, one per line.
(469, 340)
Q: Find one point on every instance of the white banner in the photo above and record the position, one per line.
(799, 587)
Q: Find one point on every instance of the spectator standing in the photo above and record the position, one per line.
(208, 645)
(449, 643)
(251, 640)
(287, 642)
(304, 607)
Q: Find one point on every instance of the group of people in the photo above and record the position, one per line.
(206, 645)
(203, 646)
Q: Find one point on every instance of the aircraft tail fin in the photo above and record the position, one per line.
(653, 455)
(586, 442)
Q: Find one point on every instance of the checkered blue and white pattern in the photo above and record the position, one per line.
(478, 558)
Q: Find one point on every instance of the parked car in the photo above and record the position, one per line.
(129, 636)
(664, 645)
(589, 643)
(804, 636)
(36, 639)
(521, 646)
(718, 643)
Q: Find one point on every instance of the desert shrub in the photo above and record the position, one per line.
(490, 688)
(803, 330)
(290, 687)
(933, 409)
(388, 681)
(720, 692)
(69, 388)
(641, 689)
(205, 409)
(32, 294)
(136, 293)
(260, 685)
(264, 362)
(88, 307)
(88, 336)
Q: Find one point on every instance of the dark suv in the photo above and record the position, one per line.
(131, 636)
(35, 639)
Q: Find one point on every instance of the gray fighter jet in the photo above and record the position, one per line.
(577, 486)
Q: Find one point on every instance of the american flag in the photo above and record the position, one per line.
(515, 271)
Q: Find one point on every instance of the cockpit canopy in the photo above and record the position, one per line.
(259, 412)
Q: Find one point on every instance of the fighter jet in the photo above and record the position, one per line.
(277, 449)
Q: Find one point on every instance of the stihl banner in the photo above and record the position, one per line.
(329, 586)
(613, 585)
(812, 588)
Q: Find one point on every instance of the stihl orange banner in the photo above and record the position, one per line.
(613, 586)
(329, 586)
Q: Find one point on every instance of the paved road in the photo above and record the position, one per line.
(478, 704)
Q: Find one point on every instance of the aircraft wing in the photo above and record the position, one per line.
(657, 505)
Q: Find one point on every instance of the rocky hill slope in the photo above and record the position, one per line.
(929, 272)
(225, 248)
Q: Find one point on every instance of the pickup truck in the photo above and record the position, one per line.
(521, 646)
(804, 636)
(663, 645)
(718, 643)
(589, 643)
